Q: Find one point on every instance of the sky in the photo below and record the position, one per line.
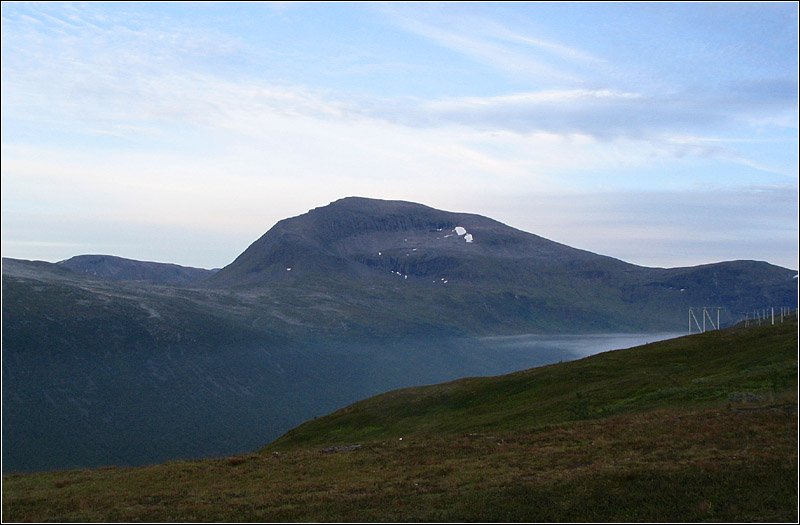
(662, 134)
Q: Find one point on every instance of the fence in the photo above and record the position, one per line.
(709, 317)
(768, 316)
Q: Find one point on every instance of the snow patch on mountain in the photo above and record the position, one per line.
(460, 230)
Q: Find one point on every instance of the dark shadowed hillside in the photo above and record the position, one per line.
(99, 372)
(467, 270)
(119, 269)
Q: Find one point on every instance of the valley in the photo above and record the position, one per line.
(110, 361)
(698, 428)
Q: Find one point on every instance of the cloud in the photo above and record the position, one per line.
(133, 125)
(723, 149)
(503, 33)
(574, 91)
(185, 110)
(498, 47)
(141, 82)
(603, 113)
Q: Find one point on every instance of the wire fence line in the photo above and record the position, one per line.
(768, 316)
(705, 318)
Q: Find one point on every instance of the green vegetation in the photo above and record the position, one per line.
(701, 428)
(694, 371)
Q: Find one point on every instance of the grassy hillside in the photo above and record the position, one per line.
(701, 428)
(693, 371)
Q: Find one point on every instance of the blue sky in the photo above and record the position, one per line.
(661, 134)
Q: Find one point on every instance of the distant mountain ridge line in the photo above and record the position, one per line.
(357, 216)
(368, 248)
(356, 242)
(122, 269)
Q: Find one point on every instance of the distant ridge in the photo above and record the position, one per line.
(466, 266)
(387, 267)
(121, 269)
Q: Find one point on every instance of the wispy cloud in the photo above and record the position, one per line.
(560, 100)
(501, 48)
(143, 78)
(520, 52)
(603, 113)
(139, 124)
(573, 54)
(723, 148)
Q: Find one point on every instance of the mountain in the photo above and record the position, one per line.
(360, 238)
(346, 301)
(120, 269)
(99, 372)
(694, 429)
(431, 269)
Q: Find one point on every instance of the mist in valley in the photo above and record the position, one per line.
(64, 410)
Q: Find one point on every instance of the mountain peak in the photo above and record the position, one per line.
(368, 205)
(358, 237)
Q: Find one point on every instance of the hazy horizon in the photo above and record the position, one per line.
(234, 256)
